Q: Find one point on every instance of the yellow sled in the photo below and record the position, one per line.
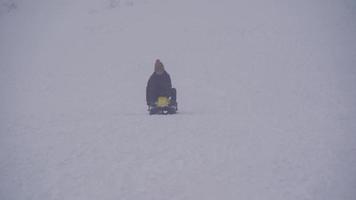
(162, 102)
(163, 106)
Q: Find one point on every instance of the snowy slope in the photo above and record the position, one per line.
(265, 90)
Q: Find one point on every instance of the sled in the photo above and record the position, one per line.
(163, 106)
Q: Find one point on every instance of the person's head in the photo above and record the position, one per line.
(159, 68)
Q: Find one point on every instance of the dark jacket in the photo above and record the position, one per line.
(158, 85)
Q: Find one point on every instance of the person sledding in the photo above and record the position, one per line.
(161, 97)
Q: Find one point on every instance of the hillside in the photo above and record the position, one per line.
(266, 93)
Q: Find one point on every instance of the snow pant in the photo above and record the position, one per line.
(173, 94)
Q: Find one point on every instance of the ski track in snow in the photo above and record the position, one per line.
(265, 91)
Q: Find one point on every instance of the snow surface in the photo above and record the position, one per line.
(266, 93)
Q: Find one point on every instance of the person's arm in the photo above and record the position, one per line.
(169, 82)
(167, 85)
(148, 91)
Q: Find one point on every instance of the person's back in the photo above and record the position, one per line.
(159, 84)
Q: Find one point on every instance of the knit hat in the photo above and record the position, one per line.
(159, 68)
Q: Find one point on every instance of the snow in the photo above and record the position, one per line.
(265, 90)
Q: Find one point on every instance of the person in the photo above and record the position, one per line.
(159, 84)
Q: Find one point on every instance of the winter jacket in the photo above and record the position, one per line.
(158, 85)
